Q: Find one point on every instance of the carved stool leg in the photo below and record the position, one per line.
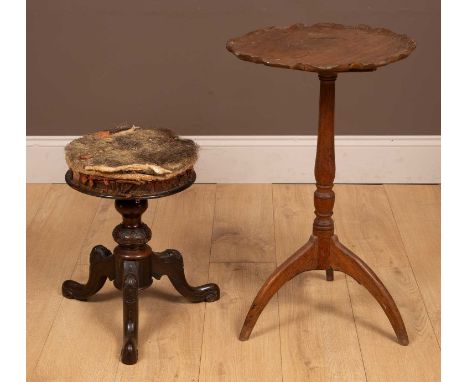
(129, 353)
(346, 261)
(133, 269)
(171, 264)
(101, 268)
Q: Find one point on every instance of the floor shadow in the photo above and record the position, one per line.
(105, 296)
(165, 296)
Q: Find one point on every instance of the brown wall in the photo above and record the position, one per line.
(95, 63)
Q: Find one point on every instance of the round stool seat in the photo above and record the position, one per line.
(131, 163)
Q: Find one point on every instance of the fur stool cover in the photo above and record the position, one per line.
(131, 156)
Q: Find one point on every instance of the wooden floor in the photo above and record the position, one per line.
(235, 235)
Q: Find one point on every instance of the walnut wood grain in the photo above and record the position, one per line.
(323, 47)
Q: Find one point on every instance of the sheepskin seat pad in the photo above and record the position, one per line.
(131, 153)
(131, 163)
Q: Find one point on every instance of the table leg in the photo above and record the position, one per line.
(323, 251)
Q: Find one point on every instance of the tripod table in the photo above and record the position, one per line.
(327, 49)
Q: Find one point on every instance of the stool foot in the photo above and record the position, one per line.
(101, 268)
(171, 264)
(129, 353)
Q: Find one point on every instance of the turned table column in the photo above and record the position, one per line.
(324, 197)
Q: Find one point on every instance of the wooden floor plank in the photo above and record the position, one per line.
(243, 227)
(54, 240)
(185, 222)
(84, 342)
(318, 335)
(293, 214)
(35, 194)
(417, 212)
(364, 223)
(384, 358)
(224, 357)
(377, 241)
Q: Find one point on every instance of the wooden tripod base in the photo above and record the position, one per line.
(132, 267)
(323, 250)
(310, 257)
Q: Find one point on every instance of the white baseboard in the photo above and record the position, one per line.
(277, 159)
